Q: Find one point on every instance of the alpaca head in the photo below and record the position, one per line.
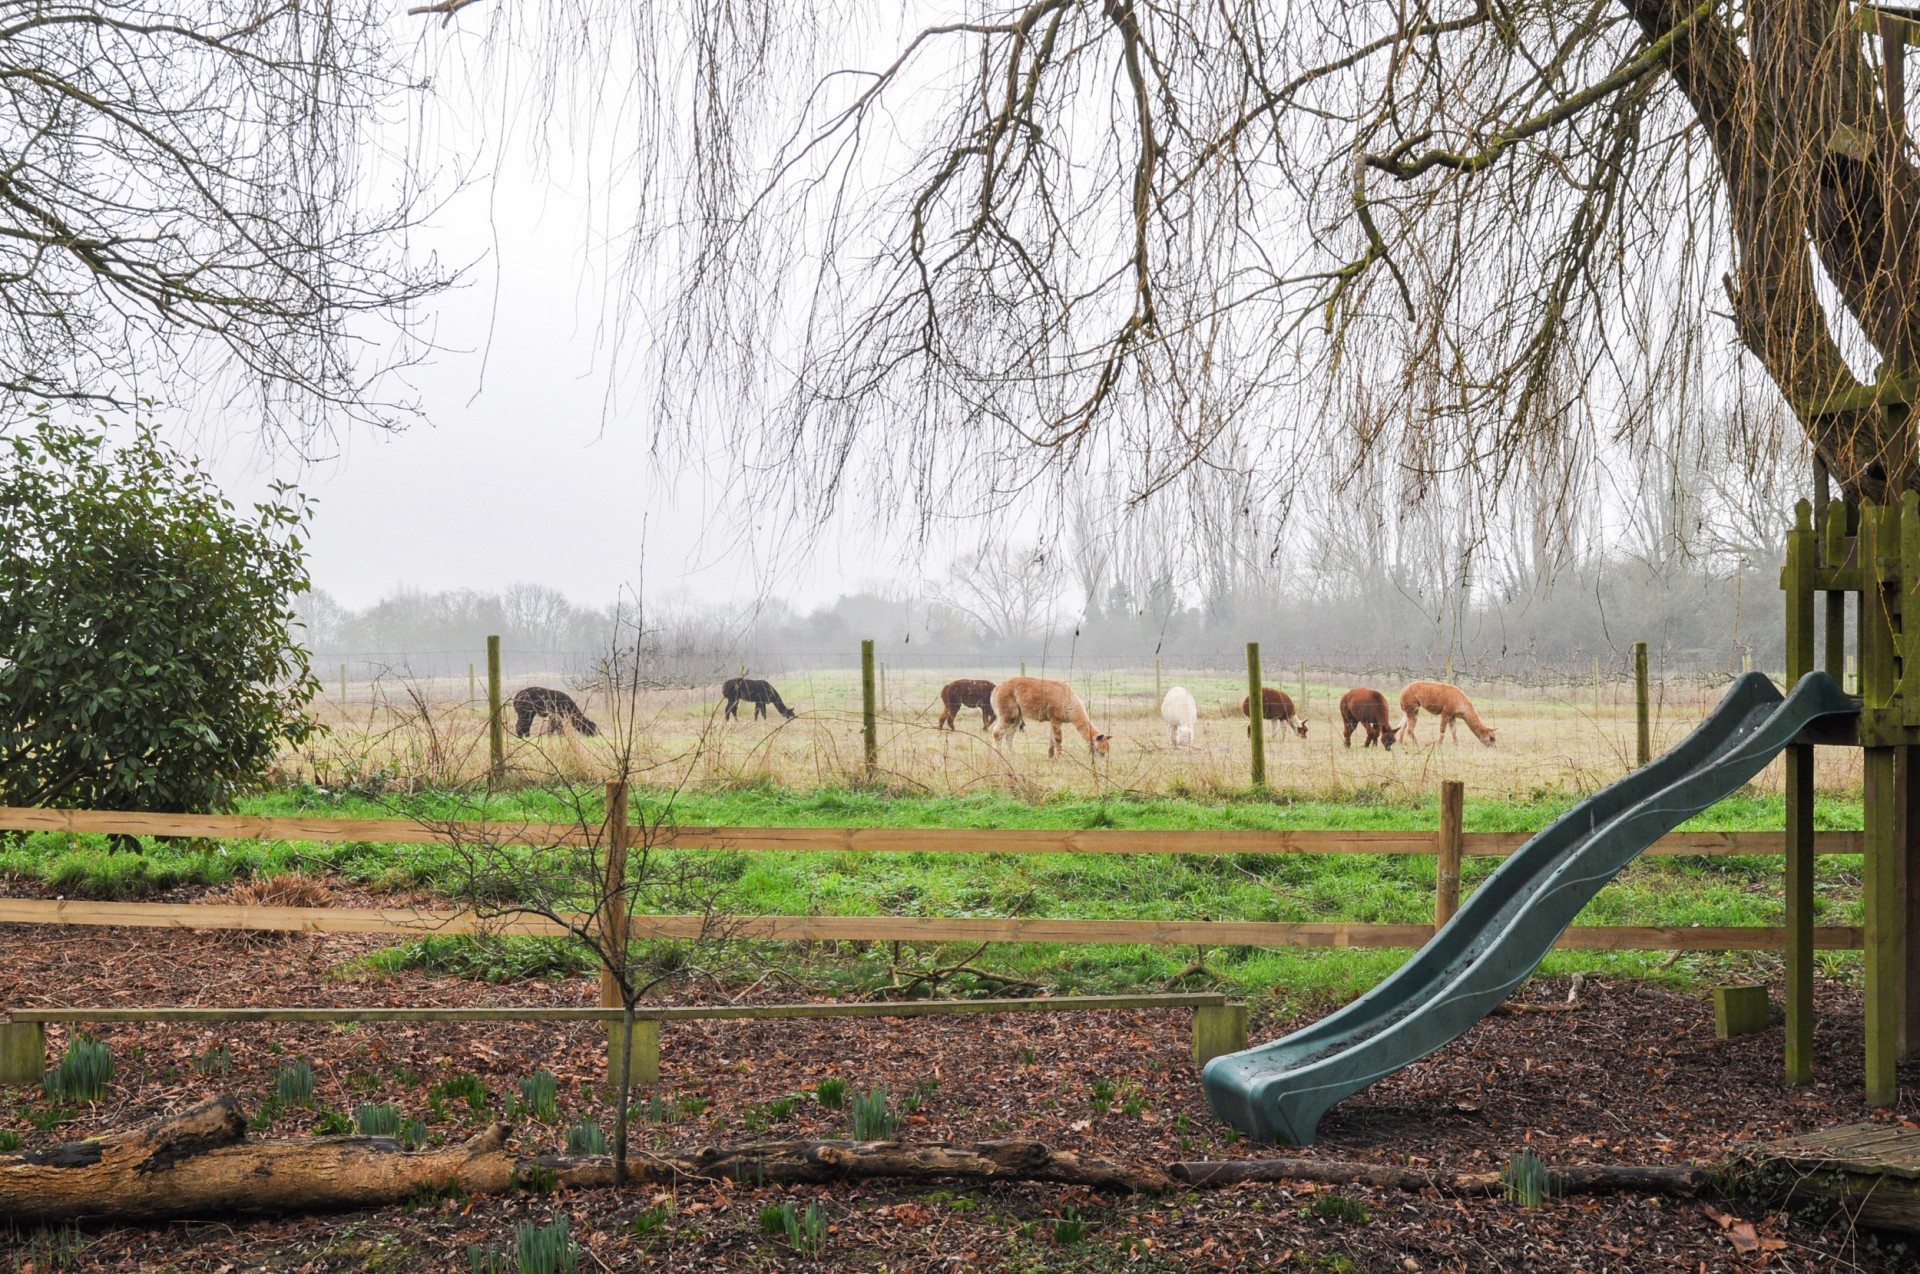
(1183, 737)
(787, 712)
(1300, 727)
(1487, 738)
(588, 728)
(1100, 742)
(1388, 733)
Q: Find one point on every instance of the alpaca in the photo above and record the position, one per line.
(758, 693)
(1017, 698)
(1449, 703)
(966, 693)
(557, 706)
(1180, 711)
(1275, 705)
(1361, 707)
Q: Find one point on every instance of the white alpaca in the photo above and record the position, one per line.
(1180, 711)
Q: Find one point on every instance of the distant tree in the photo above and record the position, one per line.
(145, 656)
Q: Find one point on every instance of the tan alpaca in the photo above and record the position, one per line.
(1020, 699)
(1449, 703)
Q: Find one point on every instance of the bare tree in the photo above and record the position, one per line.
(1036, 223)
(190, 207)
(1012, 594)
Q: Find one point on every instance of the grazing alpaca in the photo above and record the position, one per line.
(966, 693)
(557, 706)
(1449, 703)
(1180, 711)
(757, 693)
(1018, 698)
(1275, 705)
(1361, 707)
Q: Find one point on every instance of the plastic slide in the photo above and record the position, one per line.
(1279, 1091)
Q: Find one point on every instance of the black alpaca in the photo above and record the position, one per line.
(557, 706)
(757, 693)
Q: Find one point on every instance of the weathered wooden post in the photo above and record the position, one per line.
(1643, 708)
(1448, 845)
(1256, 715)
(869, 727)
(1885, 952)
(1218, 1029)
(343, 685)
(1023, 667)
(883, 687)
(496, 731)
(473, 684)
(1798, 886)
(1156, 682)
(1302, 705)
(1596, 687)
(615, 924)
(23, 1052)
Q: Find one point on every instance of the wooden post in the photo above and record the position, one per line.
(614, 921)
(1023, 667)
(496, 729)
(1906, 767)
(1596, 686)
(1217, 1030)
(473, 684)
(1156, 681)
(23, 1052)
(1883, 906)
(1739, 1010)
(1448, 843)
(1256, 715)
(1643, 709)
(1302, 705)
(883, 687)
(1798, 991)
(343, 685)
(868, 726)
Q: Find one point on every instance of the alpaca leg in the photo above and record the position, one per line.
(1053, 749)
(523, 721)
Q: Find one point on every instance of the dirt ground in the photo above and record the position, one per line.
(1633, 1075)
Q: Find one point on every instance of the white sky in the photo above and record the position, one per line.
(520, 470)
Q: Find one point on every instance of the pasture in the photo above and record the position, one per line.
(405, 734)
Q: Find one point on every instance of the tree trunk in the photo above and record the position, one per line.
(199, 1163)
(821, 1161)
(1684, 1179)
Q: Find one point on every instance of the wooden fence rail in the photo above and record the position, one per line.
(856, 839)
(1206, 933)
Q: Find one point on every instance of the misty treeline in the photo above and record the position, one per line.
(1361, 566)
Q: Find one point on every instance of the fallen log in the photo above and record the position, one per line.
(823, 1161)
(199, 1163)
(1684, 1180)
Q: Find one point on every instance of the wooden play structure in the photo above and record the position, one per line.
(1870, 553)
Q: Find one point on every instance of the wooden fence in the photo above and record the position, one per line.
(1448, 843)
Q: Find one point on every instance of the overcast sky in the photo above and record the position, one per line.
(520, 470)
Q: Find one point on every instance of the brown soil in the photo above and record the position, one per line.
(1634, 1075)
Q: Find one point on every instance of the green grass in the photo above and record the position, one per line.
(1382, 889)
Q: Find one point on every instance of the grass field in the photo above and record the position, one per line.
(1361, 888)
(410, 736)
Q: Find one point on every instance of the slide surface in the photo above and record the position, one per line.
(1279, 1091)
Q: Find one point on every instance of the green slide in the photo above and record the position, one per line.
(1279, 1091)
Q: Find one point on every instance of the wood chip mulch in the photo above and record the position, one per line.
(1633, 1075)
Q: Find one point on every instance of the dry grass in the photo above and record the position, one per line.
(429, 735)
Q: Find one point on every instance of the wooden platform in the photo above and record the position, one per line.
(1871, 1172)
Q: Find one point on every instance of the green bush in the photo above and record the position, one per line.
(1526, 1180)
(82, 1073)
(293, 1083)
(544, 1249)
(540, 1097)
(871, 1119)
(145, 625)
(382, 1120)
(585, 1138)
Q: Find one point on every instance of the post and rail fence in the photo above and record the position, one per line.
(1218, 1026)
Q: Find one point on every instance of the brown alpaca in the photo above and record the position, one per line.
(1018, 699)
(1449, 703)
(1275, 705)
(966, 693)
(1361, 707)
